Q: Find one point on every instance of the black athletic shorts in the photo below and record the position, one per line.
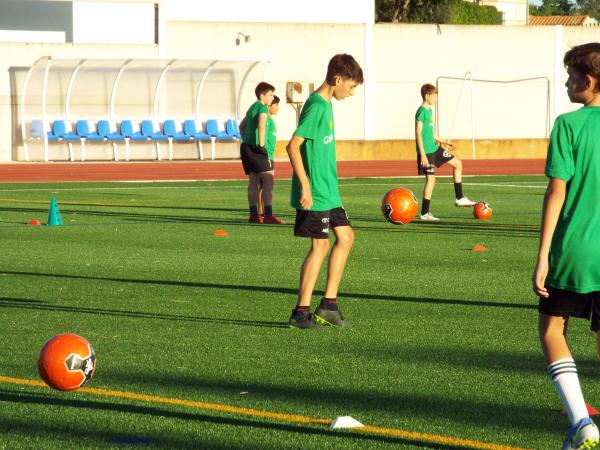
(316, 224)
(435, 159)
(254, 159)
(571, 304)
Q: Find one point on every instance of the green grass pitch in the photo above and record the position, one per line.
(443, 342)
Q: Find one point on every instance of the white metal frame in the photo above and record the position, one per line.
(469, 77)
(127, 63)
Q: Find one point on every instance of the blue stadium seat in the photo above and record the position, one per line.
(86, 130)
(38, 129)
(130, 130)
(216, 129)
(232, 128)
(151, 130)
(62, 130)
(108, 130)
(194, 129)
(174, 131)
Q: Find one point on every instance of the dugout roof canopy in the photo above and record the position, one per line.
(132, 88)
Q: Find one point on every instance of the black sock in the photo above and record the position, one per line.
(268, 210)
(330, 303)
(254, 210)
(425, 206)
(458, 190)
(301, 310)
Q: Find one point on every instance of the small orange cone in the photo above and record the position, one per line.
(590, 409)
(479, 248)
(35, 222)
(219, 232)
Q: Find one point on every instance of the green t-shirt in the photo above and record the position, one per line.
(271, 138)
(574, 157)
(250, 135)
(318, 155)
(425, 115)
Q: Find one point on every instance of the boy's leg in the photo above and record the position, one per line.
(267, 183)
(427, 194)
(253, 182)
(561, 366)
(460, 199)
(310, 270)
(344, 238)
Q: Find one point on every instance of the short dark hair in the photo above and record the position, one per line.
(427, 89)
(585, 59)
(345, 66)
(275, 100)
(262, 88)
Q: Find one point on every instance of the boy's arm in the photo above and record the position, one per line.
(262, 129)
(553, 202)
(419, 139)
(242, 126)
(293, 151)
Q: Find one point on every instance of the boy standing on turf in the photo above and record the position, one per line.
(254, 155)
(315, 194)
(567, 273)
(433, 152)
(270, 142)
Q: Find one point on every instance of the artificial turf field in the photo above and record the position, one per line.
(191, 336)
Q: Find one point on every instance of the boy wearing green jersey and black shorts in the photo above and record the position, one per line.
(270, 143)
(433, 152)
(567, 273)
(315, 194)
(254, 155)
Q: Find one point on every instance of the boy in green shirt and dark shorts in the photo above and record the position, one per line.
(254, 155)
(434, 152)
(315, 194)
(567, 273)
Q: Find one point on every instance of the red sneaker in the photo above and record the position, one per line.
(255, 219)
(273, 220)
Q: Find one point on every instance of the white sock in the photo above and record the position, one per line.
(564, 376)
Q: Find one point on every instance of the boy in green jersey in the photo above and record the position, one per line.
(254, 155)
(567, 274)
(315, 194)
(433, 152)
(270, 142)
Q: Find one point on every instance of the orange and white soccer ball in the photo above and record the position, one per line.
(399, 205)
(482, 211)
(66, 362)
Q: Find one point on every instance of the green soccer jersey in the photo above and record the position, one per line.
(271, 138)
(318, 155)
(250, 135)
(425, 115)
(574, 157)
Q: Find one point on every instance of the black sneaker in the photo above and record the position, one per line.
(304, 320)
(329, 317)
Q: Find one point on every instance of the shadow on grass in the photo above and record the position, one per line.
(278, 290)
(455, 407)
(316, 430)
(27, 303)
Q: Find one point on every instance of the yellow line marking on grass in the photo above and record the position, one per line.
(291, 418)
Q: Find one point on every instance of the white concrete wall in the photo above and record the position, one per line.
(403, 58)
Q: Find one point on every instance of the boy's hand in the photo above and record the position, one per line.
(538, 279)
(448, 146)
(424, 161)
(306, 199)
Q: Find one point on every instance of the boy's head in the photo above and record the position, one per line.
(343, 74)
(429, 94)
(274, 106)
(583, 66)
(264, 92)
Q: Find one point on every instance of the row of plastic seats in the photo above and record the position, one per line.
(130, 130)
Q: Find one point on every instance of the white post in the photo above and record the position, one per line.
(369, 82)
(559, 87)
(44, 93)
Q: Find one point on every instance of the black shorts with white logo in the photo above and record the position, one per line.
(435, 159)
(316, 224)
(254, 160)
(563, 303)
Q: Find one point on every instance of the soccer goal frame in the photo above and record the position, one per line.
(468, 78)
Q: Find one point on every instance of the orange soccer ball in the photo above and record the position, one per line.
(482, 211)
(399, 205)
(66, 362)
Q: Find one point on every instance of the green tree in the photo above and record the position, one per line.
(435, 11)
(588, 8)
(553, 8)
